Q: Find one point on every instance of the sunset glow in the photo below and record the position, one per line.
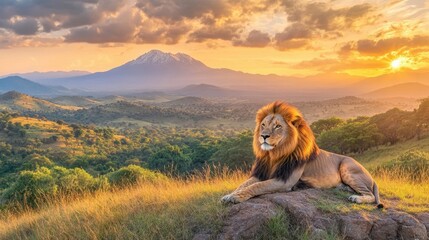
(397, 63)
(293, 38)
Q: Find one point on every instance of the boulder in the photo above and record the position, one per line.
(307, 209)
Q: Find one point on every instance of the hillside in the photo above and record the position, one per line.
(78, 101)
(187, 101)
(206, 90)
(19, 84)
(187, 209)
(21, 102)
(411, 89)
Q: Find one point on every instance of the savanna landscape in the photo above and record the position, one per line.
(132, 119)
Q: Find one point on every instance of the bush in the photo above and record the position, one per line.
(31, 188)
(133, 174)
(35, 187)
(412, 165)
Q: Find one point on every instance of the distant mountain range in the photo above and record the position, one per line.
(411, 89)
(156, 73)
(36, 76)
(15, 83)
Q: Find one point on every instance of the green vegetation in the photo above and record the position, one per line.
(56, 177)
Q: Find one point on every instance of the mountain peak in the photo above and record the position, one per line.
(160, 57)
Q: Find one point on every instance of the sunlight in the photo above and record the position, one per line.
(397, 63)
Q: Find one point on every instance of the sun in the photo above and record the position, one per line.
(397, 63)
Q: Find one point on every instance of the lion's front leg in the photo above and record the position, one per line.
(248, 182)
(264, 187)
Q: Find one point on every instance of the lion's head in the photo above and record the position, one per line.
(281, 131)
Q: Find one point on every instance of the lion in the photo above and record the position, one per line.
(287, 155)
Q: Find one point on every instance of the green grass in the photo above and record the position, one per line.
(383, 154)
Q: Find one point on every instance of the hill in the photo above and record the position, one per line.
(187, 101)
(207, 90)
(21, 102)
(78, 101)
(410, 89)
(188, 209)
(15, 83)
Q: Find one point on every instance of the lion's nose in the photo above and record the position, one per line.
(265, 136)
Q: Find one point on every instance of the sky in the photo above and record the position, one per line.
(284, 37)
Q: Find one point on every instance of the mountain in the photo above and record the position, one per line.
(404, 76)
(21, 102)
(410, 89)
(15, 83)
(156, 70)
(37, 76)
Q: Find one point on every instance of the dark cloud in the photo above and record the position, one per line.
(22, 26)
(383, 46)
(225, 32)
(150, 33)
(117, 29)
(321, 16)
(175, 10)
(254, 39)
(294, 36)
(66, 13)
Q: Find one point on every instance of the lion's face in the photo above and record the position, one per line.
(273, 131)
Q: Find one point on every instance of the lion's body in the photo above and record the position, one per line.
(286, 153)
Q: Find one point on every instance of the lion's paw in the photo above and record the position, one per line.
(355, 199)
(232, 198)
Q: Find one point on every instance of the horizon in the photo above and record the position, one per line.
(284, 38)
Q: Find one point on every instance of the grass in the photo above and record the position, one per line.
(178, 209)
(383, 154)
(175, 210)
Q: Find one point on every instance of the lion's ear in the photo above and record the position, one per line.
(298, 121)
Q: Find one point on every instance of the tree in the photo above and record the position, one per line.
(323, 125)
(170, 157)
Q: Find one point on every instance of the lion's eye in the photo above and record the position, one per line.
(278, 126)
(263, 124)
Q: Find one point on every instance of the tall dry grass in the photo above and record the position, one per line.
(175, 209)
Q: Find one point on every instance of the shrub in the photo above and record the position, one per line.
(412, 165)
(133, 174)
(35, 187)
(31, 188)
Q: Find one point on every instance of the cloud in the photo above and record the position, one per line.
(254, 39)
(294, 36)
(177, 10)
(321, 16)
(8, 40)
(386, 45)
(115, 29)
(57, 14)
(21, 26)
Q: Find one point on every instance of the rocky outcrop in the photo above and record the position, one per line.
(321, 212)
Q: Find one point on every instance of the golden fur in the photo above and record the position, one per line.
(286, 153)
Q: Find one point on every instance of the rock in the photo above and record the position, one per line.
(424, 218)
(384, 228)
(355, 226)
(409, 226)
(247, 219)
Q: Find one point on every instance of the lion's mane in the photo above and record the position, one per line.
(299, 147)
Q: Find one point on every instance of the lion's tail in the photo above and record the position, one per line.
(377, 196)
